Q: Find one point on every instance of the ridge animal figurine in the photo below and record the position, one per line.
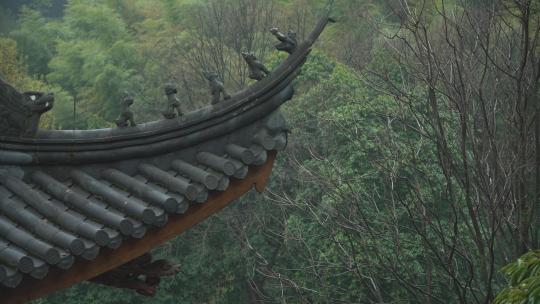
(173, 106)
(40, 103)
(126, 117)
(257, 70)
(216, 87)
(288, 42)
(20, 112)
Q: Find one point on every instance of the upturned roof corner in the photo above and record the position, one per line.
(78, 204)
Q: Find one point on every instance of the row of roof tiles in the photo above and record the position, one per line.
(45, 222)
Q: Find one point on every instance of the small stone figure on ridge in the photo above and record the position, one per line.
(126, 116)
(41, 102)
(20, 113)
(38, 104)
(257, 70)
(288, 42)
(173, 106)
(216, 87)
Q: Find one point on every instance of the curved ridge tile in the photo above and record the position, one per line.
(182, 202)
(223, 182)
(241, 170)
(140, 189)
(41, 269)
(91, 251)
(216, 162)
(55, 211)
(79, 202)
(171, 182)
(19, 259)
(66, 261)
(34, 223)
(241, 153)
(265, 139)
(139, 231)
(202, 194)
(195, 173)
(159, 213)
(15, 257)
(275, 122)
(131, 206)
(12, 277)
(25, 240)
(281, 141)
(260, 154)
(86, 228)
(133, 227)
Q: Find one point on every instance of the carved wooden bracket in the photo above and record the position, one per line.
(140, 274)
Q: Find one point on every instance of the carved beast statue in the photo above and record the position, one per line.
(257, 70)
(287, 42)
(20, 112)
(126, 117)
(216, 87)
(173, 103)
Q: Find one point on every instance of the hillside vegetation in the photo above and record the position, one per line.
(412, 173)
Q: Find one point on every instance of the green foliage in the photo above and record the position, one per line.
(94, 21)
(523, 279)
(36, 40)
(340, 223)
(14, 71)
(95, 61)
(7, 20)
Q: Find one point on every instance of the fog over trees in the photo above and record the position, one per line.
(412, 172)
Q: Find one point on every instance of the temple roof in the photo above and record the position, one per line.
(55, 215)
(69, 198)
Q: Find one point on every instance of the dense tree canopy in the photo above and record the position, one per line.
(412, 173)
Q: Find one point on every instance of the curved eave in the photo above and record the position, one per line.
(75, 204)
(52, 147)
(109, 259)
(146, 140)
(78, 154)
(53, 216)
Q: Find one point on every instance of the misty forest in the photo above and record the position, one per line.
(412, 170)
